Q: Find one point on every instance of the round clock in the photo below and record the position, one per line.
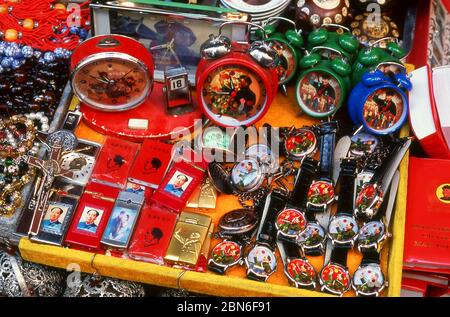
(80, 165)
(112, 73)
(311, 14)
(369, 28)
(380, 103)
(322, 88)
(236, 83)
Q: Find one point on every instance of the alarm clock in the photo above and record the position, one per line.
(236, 82)
(331, 43)
(380, 103)
(287, 47)
(311, 14)
(323, 85)
(388, 60)
(371, 27)
(112, 73)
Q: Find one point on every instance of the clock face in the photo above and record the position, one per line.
(112, 82)
(301, 272)
(335, 278)
(383, 109)
(234, 96)
(285, 61)
(80, 165)
(371, 233)
(226, 253)
(291, 222)
(369, 280)
(319, 93)
(262, 261)
(343, 229)
(301, 144)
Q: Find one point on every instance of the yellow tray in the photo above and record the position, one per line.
(283, 112)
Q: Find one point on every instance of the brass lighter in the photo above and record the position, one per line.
(204, 197)
(188, 239)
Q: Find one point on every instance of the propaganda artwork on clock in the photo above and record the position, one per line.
(245, 174)
(90, 219)
(320, 193)
(368, 279)
(234, 94)
(371, 233)
(291, 222)
(226, 253)
(319, 92)
(343, 228)
(301, 144)
(313, 236)
(335, 278)
(54, 217)
(261, 260)
(284, 61)
(178, 184)
(363, 143)
(383, 109)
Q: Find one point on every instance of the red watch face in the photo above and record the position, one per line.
(291, 222)
(301, 144)
(226, 253)
(301, 271)
(383, 109)
(367, 198)
(335, 278)
(321, 193)
(234, 95)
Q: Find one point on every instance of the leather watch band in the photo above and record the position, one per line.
(384, 167)
(327, 143)
(347, 187)
(267, 230)
(370, 256)
(254, 277)
(303, 182)
(339, 255)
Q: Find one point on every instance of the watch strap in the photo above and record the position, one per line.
(383, 168)
(304, 179)
(275, 202)
(395, 163)
(327, 143)
(339, 255)
(347, 187)
(341, 151)
(370, 256)
(254, 277)
(212, 266)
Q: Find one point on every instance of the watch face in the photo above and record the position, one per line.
(301, 271)
(261, 261)
(302, 144)
(239, 221)
(321, 193)
(112, 82)
(285, 62)
(234, 96)
(215, 138)
(383, 109)
(343, 229)
(335, 279)
(369, 200)
(247, 176)
(313, 236)
(371, 234)
(327, 4)
(227, 253)
(290, 222)
(362, 179)
(264, 155)
(64, 138)
(319, 93)
(368, 280)
(80, 165)
(363, 144)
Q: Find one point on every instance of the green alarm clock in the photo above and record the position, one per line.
(388, 60)
(323, 85)
(287, 46)
(331, 44)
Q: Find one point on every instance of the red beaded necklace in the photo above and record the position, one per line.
(42, 24)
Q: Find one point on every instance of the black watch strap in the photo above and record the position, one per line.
(392, 149)
(267, 231)
(312, 211)
(304, 179)
(327, 143)
(370, 256)
(292, 250)
(254, 277)
(339, 255)
(347, 187)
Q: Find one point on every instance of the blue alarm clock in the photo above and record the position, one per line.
(380, 102)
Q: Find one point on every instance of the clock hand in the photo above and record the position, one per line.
(102, 80)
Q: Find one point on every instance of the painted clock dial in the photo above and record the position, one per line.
(81, 165)
(291, 222)
(226, 253)
(112, 81)
(301, 271)
(285, 61)
(369, 279)
(233, 95)
(383, 109)
(335, 278)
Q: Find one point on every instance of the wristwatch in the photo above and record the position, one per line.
(363, 144)
(335, 277)
(373, 234)
(291, 221)
(370, 197)
(226, 254)
(260, 260)
(321, 192)
(298, 270)
(343, 229)
(238, 223)
(369, 280)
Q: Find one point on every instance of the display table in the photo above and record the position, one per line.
(283, 112)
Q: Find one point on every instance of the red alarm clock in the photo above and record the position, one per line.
(236, 82)
(112, 73)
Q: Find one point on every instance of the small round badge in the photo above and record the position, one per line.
(261, 261)
(301, 272)
(290, 222)
(369, 280)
